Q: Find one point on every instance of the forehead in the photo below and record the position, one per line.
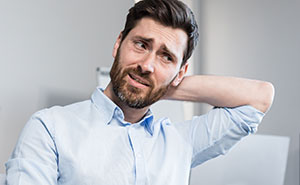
(175, 39)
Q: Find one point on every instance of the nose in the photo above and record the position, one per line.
(146, 65)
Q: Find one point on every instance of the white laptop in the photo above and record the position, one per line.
(256, 160)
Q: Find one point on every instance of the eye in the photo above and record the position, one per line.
(140, 45)
(167, 58)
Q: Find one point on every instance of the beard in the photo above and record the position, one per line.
(132, 96)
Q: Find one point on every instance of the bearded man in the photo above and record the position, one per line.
(112, 139)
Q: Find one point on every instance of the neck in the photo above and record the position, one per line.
(131, 115)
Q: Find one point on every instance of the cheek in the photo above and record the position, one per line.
(166, 78)
(128, 56)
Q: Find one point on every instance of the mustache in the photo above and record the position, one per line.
(145, 77)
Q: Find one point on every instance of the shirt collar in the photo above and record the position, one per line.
(148, 122)
(105, 106)
(109, 109)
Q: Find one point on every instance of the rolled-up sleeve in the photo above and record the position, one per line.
(214, 133)
(34, 159)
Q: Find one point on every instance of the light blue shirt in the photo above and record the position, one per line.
(89, 143)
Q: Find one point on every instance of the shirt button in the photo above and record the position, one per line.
(138, 155)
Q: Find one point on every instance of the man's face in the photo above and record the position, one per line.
(147, 62)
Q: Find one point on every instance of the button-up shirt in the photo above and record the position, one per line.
(89, 143)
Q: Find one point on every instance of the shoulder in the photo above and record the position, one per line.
(58, 112)
(58, 116)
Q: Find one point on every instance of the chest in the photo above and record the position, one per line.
(121, 155)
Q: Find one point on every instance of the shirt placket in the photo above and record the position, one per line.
(140, 170)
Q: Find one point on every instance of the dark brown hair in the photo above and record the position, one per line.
(173, 13)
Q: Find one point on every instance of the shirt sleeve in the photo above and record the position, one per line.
(214, 133)
(34, 159)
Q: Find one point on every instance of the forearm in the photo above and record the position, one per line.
(223, 91)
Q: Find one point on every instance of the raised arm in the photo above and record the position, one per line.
(223, 91)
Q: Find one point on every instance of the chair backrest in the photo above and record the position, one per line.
(257, 159)
(2, 179)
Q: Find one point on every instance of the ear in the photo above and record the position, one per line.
(117, 45)
(180, 75)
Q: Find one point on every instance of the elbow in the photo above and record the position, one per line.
(267, 92)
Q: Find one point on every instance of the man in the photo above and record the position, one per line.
(112, 139)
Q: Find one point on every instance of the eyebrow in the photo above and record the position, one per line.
(143, 39)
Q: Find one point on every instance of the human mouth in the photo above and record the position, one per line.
(138, 79)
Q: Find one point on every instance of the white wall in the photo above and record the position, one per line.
(49, 51)
(258, 39)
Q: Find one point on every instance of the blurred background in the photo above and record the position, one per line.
(49, 52)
